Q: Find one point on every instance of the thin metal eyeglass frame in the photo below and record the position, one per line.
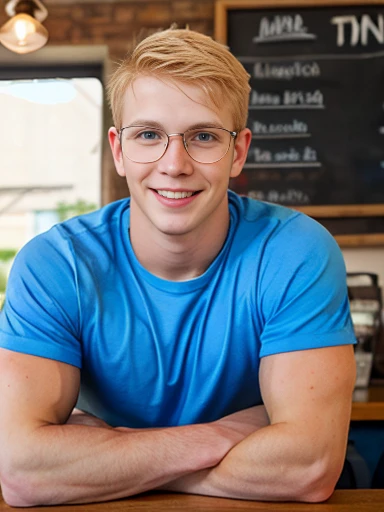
(182, 135)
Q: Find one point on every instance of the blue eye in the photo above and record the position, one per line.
(148, 135)
(204, 136)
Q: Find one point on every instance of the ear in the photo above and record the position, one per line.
(242, 143)
(114, 142)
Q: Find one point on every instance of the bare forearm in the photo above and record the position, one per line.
(77, 463)
(273, 464)
(299, 456)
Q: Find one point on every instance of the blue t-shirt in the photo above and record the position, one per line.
(154, 352)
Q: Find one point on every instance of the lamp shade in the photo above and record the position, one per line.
(23, 34)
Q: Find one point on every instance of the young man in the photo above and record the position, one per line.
(208, 335)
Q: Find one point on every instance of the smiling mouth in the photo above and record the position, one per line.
(169, 194)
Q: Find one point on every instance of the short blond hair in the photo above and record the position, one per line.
(185, 56)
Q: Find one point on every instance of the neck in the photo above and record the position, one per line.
(178, 257)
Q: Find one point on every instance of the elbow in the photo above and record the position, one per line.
(317, 494)
(13, 499)
(317, 482)
(17, 492)
(20, 488)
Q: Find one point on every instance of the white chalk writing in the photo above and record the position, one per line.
(289, 197)
(303, 98)
(359, 30)
(293, 127)
(262, 98)
(282, 28)
(289, 98)
(267, 71)
(292, 155)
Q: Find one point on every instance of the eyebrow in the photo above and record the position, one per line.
(146, 122)
(155, 124)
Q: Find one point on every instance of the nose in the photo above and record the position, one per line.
(175, 160)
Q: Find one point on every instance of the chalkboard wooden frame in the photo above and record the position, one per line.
(349, 213)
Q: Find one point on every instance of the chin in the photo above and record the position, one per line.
(174, 229)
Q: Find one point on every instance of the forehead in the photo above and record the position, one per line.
(173, 104)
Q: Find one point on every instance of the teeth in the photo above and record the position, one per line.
(174, 195)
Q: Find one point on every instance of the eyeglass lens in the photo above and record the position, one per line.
(143, 144)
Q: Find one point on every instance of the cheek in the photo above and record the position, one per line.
(224, 172)
(136, 173)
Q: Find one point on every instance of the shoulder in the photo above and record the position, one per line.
(65, 234)
(252, 210)
(277, 229)
(106, 219)
(57, 251)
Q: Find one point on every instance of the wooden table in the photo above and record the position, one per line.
(368, 404)
(341, 501)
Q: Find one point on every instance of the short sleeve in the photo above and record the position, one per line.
(41, 313)
(302, 291)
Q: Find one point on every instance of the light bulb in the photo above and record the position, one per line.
(23, 34)
(23, 28)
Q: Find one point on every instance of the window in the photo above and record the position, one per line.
(51, 153)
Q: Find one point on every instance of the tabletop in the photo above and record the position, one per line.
(361, 500)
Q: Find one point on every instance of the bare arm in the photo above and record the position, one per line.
(46, 461)
(300, 455)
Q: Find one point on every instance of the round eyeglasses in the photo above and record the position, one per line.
(145, 144)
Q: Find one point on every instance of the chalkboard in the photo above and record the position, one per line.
(316, 108)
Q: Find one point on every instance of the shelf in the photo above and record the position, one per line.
(368, 404)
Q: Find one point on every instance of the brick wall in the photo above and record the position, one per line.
(115, 22)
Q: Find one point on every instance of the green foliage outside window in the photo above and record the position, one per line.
(7, 254)
(3, 281)
(6, 257)
(67, 210)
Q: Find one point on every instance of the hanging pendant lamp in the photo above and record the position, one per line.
(24, 33)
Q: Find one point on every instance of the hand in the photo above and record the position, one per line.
(234, 427)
